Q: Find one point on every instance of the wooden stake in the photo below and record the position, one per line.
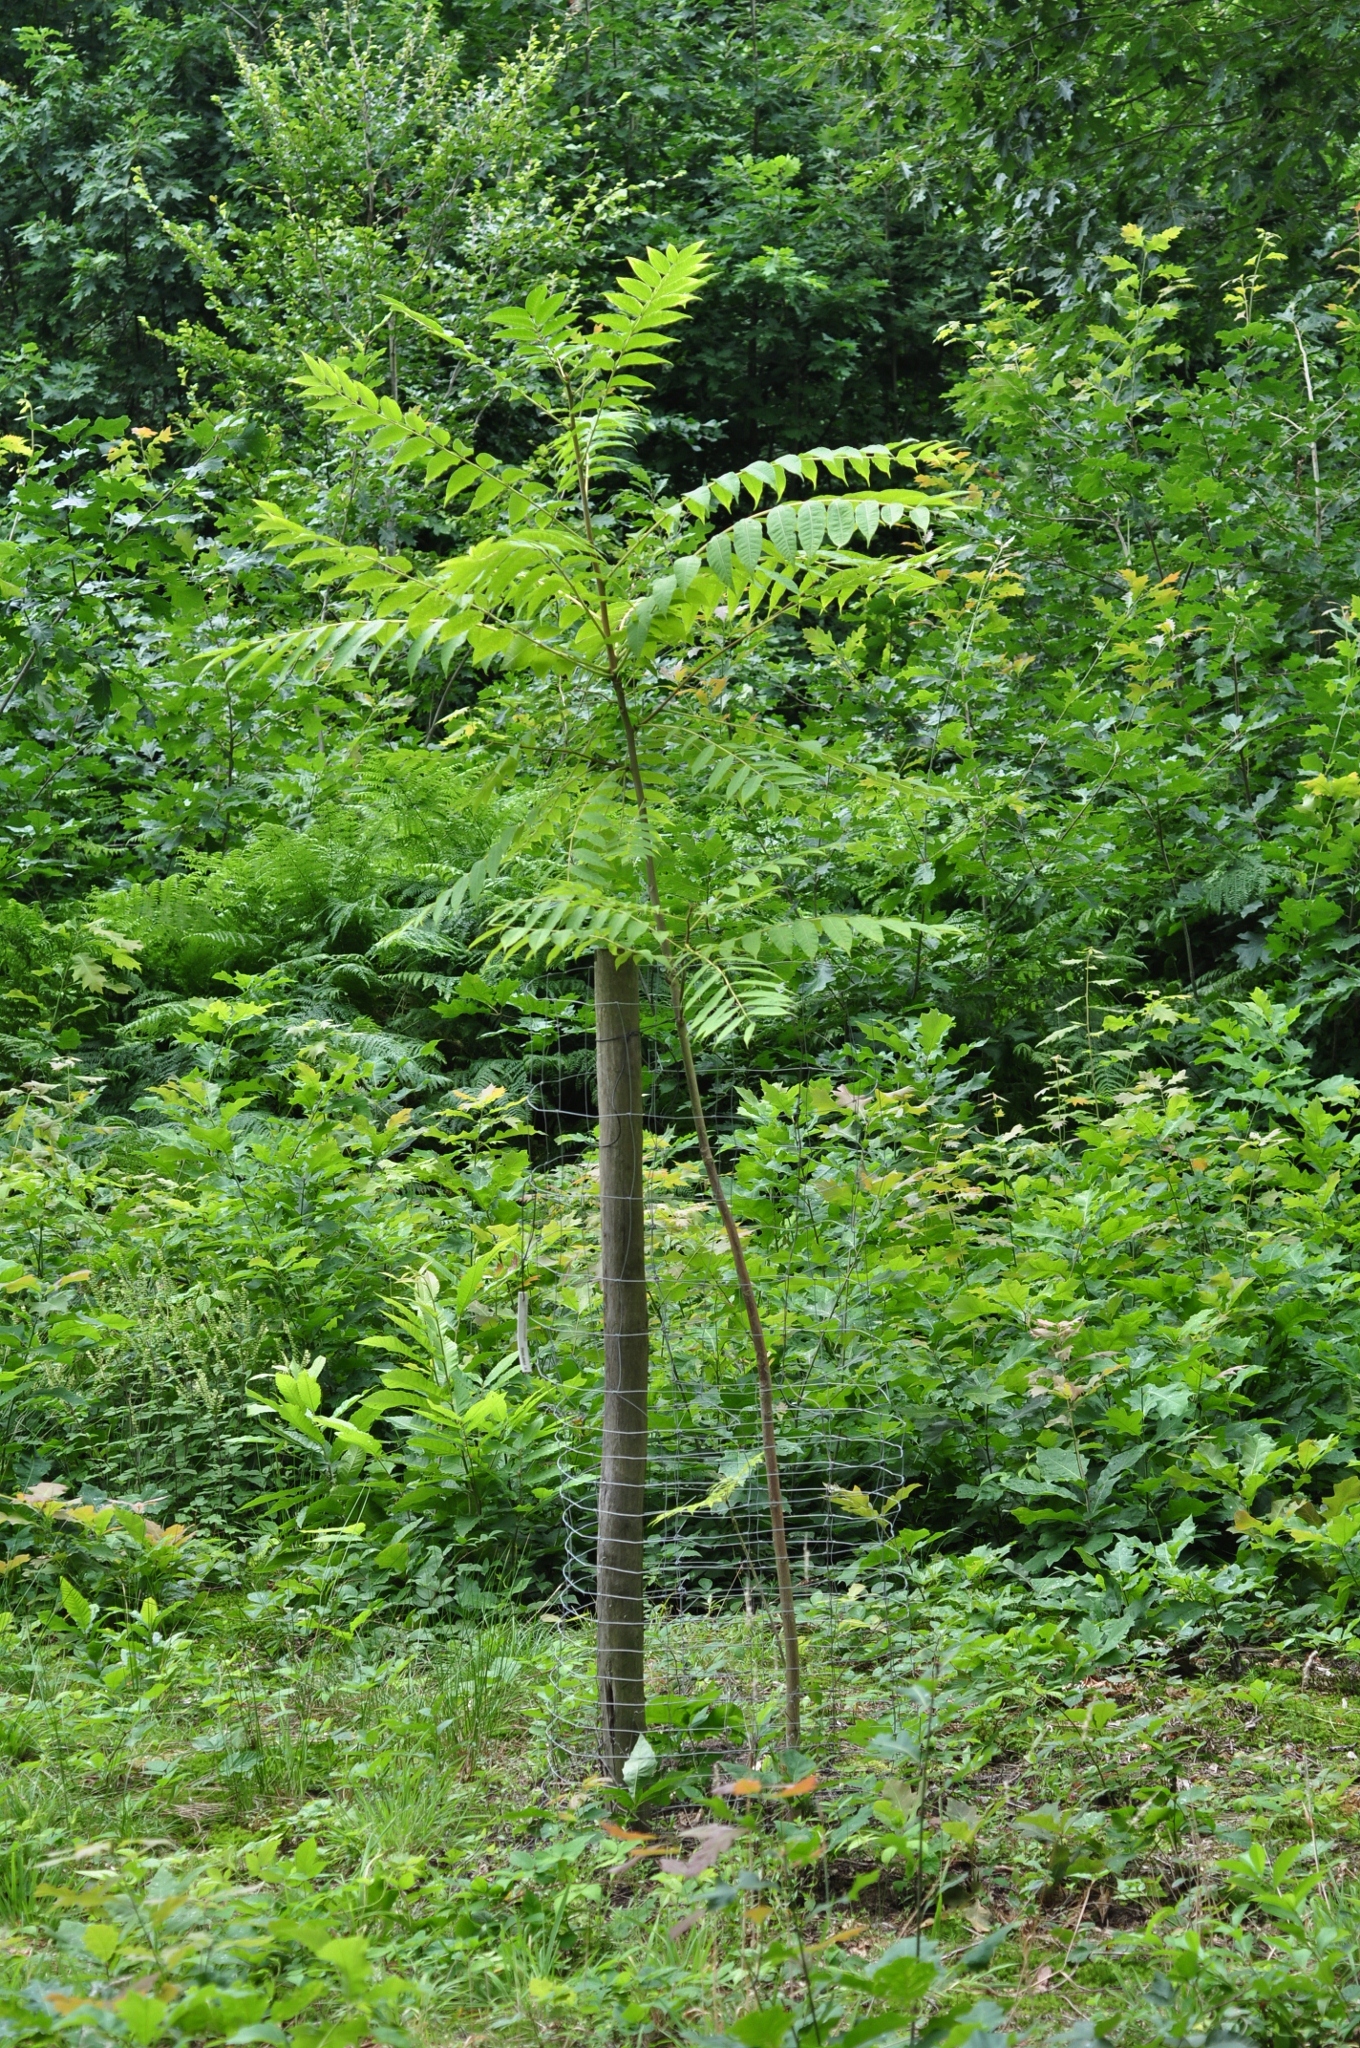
(623, 1450)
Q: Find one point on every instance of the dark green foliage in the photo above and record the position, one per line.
(156, 1412)
(410, 817)
(121, 569)
(831, 283)
(822, 320)
(1051, 126)
(1131, 706)
(1169, 534)
(366, 169)
(108, 113)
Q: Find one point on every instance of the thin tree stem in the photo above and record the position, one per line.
(788, 1619)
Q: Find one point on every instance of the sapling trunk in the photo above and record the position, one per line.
(760, 1350)
(623, 1450)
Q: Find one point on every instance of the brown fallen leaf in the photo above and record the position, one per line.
(711, 1843)
(802, 1785)
(851, 1933)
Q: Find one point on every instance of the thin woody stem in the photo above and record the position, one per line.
(788, 1620)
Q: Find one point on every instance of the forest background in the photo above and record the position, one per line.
(1004, 819)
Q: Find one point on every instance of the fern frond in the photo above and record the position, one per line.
(514, 840)
(726, 996)
(739, 766)
(434, 916)
(736, 984)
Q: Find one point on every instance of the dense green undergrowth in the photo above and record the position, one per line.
(1136, 1330)
(1113, 1732)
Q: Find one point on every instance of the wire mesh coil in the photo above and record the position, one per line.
(708, 1542)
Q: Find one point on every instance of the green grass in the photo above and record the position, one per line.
(426, 1793)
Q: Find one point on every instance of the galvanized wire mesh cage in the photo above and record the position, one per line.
(714, 1682)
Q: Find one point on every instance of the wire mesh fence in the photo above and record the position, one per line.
(708, 1544)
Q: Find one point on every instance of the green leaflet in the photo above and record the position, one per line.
(746, 541)
(811, 525)
(782, 527)
(840, 522)
(77, 1606)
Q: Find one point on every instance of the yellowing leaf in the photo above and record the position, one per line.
(88, 973)
(101, 1940)
(718, 1497)
(853, 1500)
